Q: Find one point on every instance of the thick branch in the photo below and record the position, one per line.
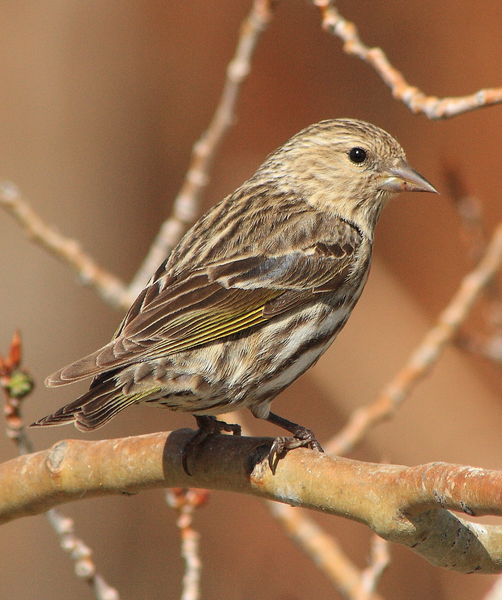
(402, 504)
(418, 102)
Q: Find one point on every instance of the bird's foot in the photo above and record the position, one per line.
(207, 426)
(304, 438)
(301, 438)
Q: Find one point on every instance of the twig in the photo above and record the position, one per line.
(469, 208)
(18, 384)
(186, 203)
(405, 505)
(324, 551)
(379, 561)
(431, 106)
(427, 353)
(185, 501)
(109, 287)
(81, 555)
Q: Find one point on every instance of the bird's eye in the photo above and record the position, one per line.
(357, 155)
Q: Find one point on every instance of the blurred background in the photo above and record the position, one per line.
(100, 104)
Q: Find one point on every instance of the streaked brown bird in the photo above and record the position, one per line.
(255, 291)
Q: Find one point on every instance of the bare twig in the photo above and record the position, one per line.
(324, 550)
(186, 203)
(489, 343)
(427, 353)
(109, 287)
(81, 555)
(378, 561)
(185, 501)
(18, 384)
(418, 102)
(405, 505)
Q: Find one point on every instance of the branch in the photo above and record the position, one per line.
(425, 355)
(81, 554)
(418, 102)
(324, 551)
(186, 203)
(109, 287)
(402, 504)
(185, 501)
(379, 560)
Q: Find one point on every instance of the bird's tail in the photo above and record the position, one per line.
(117, 353)
(94, 408)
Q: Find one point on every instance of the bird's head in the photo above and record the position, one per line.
(346, 166)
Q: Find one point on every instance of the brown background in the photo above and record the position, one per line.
(100, 103)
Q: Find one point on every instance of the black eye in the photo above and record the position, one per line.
(357, 155)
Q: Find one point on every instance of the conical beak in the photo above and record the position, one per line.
(402, 178)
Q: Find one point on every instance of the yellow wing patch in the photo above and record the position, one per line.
(218, 326)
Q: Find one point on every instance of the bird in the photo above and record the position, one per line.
(255, 291)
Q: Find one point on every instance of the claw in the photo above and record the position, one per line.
(304, 438)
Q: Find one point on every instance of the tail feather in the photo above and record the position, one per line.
(93, 409)
(116, 353)
(80, 369)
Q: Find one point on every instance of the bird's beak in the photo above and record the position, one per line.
(402, 178)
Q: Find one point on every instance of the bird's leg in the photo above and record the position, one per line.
(302, 437)
(207, 426)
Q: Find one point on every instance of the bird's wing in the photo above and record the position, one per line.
(218, 300)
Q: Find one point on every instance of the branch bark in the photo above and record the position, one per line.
(402, 504)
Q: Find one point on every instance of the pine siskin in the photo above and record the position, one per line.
(255, 291)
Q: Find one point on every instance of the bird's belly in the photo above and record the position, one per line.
(250, 370)
(299, 351)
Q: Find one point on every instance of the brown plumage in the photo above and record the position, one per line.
(255, 291)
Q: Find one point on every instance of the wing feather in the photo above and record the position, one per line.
(212, 302)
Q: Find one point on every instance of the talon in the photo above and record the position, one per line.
(282, 445)
(277, 451)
